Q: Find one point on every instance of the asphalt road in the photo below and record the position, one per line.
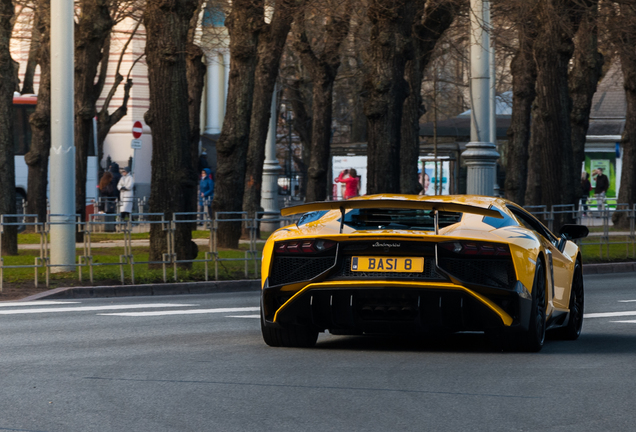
(198, 363)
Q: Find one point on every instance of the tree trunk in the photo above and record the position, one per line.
(583, 79)
(32, 62)
(91, 32)
(624, 39)
(37, 158)
(551, 131)
(524, 75)
(195, 73)
(386, 88)
(270, 48)
(302, 125)
(322, 68)
(244, 24)
(438, 16)
(7, 162)
(173, 179)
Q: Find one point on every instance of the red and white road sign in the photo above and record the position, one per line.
(138, 129)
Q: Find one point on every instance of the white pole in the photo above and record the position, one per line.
(493, 104)
(62, 187)
(271, 167)
(481, 154)
(212, 125)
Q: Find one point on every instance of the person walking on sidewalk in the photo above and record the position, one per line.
(602, 185)
(125, 186)
(206, 191)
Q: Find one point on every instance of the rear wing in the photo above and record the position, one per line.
(435, 206)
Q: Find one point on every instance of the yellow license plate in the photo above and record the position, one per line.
(388, 264)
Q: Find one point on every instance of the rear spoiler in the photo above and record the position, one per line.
(434, 206)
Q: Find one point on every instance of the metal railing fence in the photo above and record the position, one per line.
(597, 215)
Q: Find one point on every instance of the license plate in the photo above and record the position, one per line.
(388, 264)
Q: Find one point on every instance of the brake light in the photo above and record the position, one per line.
(304, 246)
(476, 248)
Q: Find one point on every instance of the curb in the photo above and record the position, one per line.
(621, 267)
(148, 290)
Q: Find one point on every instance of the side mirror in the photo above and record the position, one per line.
(573, 232)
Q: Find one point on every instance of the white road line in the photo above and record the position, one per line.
(625, 322)
(626, 301)
(609, 314)
(243, 316)
(183, 312)
(92, 308)
(36, 303)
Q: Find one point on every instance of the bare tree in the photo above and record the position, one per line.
(271, 43)
(322, 63)
(7, 165)
(91, 32)
(432, 20)
(244, 25)
(586, 71)
(386, 89)
(37, 158)
(524, 75)
(622, 23)
(551, 133)
(174, 179)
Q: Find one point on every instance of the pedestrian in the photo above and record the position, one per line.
(125, 186)
(206, 191)
(107, 194)
(114, 170)
(203, 160)
(586, 187)
(602, 185)
(352, 182)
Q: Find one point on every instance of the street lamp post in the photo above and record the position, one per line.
(271, 169)
(62, 187)
(481, 154)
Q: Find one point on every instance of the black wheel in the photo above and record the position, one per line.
(290, 337)
(532, 340)
(575, 322)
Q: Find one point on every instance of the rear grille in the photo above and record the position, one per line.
(287, 269)
(488, 272)
(429, 272)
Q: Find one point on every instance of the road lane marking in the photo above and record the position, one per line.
(93, 308)
(609, 314)
(182, 312)
(243, 316)
(626, 301)
(36, 303)
(625, 322)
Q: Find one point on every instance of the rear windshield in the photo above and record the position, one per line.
(398, 219)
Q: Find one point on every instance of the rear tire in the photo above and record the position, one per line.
(532, 340)
(572, 330)
(290, 337)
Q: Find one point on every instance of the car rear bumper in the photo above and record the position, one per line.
(395, 307)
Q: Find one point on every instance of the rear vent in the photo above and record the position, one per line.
(497, 273)
(290, 269)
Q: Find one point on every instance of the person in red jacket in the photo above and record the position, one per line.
(352, 182)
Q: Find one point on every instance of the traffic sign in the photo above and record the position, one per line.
(138, 129)
(136, 143)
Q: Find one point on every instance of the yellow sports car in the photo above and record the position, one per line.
(408, 263)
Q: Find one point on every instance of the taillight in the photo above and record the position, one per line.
(304, 246)
(476, 248)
